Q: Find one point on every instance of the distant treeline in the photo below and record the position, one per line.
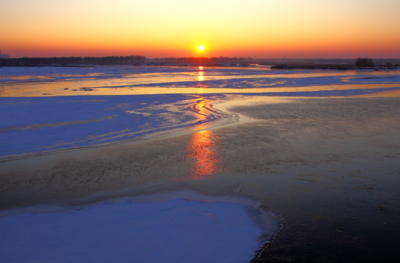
(203, 60)
(360, 63)
(112, 60)
(340, 64)
(127, 60)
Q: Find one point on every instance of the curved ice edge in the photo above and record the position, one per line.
(216, 118)
(265, 222)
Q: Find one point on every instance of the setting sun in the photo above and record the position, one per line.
(262, 29)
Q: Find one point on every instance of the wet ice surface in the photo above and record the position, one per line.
(329, 166)
(44, 81)
(166, 228)
(329, 109)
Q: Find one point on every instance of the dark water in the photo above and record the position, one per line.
(336, 182)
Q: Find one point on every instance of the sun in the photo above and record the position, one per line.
(200, 48)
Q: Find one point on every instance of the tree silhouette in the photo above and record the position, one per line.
(364, 62)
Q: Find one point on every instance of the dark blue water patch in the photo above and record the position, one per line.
(374, 80)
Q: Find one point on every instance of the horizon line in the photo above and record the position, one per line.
(239, 57)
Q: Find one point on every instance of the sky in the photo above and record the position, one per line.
(175, 28)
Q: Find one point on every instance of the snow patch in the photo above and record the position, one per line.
(180, 226)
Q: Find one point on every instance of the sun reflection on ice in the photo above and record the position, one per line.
(202, 148)
(200, 77)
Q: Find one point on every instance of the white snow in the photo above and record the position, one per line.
(42, 124)
(169, 227)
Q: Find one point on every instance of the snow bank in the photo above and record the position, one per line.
(171, 227)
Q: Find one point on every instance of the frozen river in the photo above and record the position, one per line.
(75, 107)
(167, 159)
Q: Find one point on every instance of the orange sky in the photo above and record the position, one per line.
(159, 28)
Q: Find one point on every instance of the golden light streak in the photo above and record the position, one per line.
(202, 148)
(200, 77)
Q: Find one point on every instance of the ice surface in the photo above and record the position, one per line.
(49, 123)
(40, 110)
(68, 107)
(78, 78)
(182, 227)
